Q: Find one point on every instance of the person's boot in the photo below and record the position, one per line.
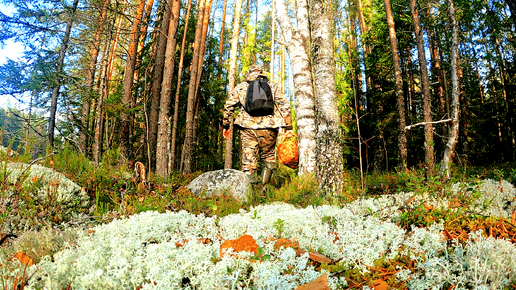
(267, 172)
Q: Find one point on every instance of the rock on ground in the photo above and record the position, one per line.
(215, 183)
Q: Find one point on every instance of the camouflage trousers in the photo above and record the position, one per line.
(257, 143)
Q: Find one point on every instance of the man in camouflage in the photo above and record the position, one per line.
(257, 134)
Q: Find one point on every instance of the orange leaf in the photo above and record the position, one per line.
(34, 179)
(23, 258)
(380, 285)
(244, 243)
(320, 283)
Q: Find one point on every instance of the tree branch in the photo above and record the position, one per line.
(424, 123)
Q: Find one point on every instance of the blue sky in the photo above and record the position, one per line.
(12, 50)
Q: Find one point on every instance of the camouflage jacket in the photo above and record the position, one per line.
(280, 118)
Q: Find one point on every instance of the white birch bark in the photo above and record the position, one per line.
(328, 135)
(297, 42)
(454, 132)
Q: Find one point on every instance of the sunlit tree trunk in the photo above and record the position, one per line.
(187, 148)
(454, 133)
(436, 63)
(228, 159)
(273, 31)
(402, 138)
(297, 43)
(328, 135)
(108, 57)
(59, 72)
(202, 51)
(178, 89)
(125, 117)
(158, 78)
(144, 26)
(84, 138)
(427, 117)
(99, 117)
(222, 30)
(163, 141)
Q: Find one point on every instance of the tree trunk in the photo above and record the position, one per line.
(402, 138)
(330, 162)
(454, 133)
(202, 47)
(187, 151)
(436, 63)
(427, 117)
(273, 30)
(222, 27)
(108, 57)
(231, 79)
(178, 89)
(297, 43)
(59, 72)
(99, 117)
(163, 141)
(84, 138)
(125, 118)
(158, 79)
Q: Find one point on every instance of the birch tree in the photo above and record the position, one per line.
(297, 43)
(328, 135)
(454, 132)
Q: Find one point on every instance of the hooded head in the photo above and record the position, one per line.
(254, 71)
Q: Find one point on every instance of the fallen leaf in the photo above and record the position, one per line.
(244, 243)
(320, 283)
(23, 258)
(380, 285)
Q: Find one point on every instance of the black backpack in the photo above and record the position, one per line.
(259, 100)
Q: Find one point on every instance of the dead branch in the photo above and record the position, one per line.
(424, 123)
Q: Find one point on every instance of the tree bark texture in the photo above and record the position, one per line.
(187, 149)
(108, 57)
(158, 79)
(84, 138)
(222, 30)
(273, 30)
(178, 90)
(454, 132)
(297, 43)
(330, 164)
(427, 116)
(59, 72)
(125, 117)
(228, 156)
(163, 141)
(402, 138)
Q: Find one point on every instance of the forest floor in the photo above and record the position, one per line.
(475, 209)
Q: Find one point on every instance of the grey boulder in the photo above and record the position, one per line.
(225, 181)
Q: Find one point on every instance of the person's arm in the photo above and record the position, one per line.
(229, 107)
(283, 107)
